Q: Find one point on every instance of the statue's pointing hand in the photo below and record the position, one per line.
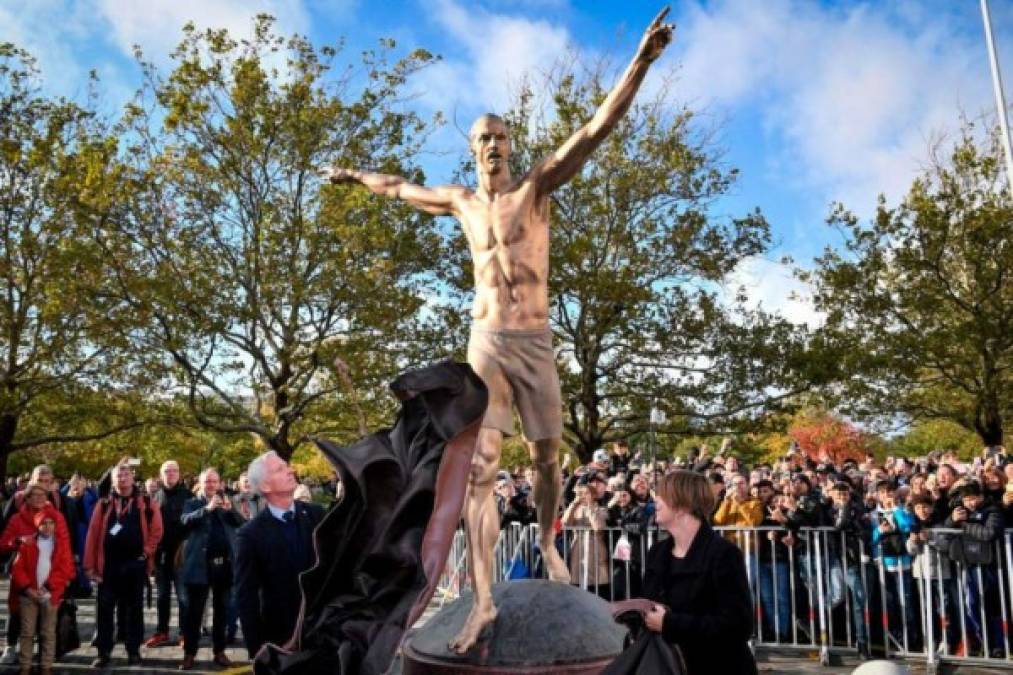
(656, 37)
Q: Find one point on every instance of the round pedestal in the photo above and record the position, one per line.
(541, 627)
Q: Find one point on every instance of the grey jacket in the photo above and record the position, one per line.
(197, 524)
(931, 560)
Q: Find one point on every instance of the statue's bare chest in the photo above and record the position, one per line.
(503, 222)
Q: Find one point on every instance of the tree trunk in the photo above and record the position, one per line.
(988, 424)
(281, 445)
(591, 439)
(8, 427)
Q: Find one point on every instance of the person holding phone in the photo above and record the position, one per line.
(210, 523)
(739, 509)
(589, 554)
(891, 526)
(981, 525)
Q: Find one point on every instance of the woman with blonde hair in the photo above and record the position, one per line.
(698, 581)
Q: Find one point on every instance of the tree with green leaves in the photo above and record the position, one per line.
(919, 303)
(62, 371)
(934, 435)
(637, 261)
(242, 282)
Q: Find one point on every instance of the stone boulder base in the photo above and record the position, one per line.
(541, 627)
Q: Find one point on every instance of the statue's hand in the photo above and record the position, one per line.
(337, 175)
(656, 37)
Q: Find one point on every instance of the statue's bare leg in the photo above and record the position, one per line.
(546, 490)
(481, 522)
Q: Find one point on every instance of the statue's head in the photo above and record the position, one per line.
(490, 143)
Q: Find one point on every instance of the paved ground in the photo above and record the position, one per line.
(166, 659)
(160, 660)
(801, 662)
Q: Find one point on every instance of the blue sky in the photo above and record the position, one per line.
(815, 101)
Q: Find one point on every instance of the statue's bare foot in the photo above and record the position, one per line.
(554, 564)
(477, 620)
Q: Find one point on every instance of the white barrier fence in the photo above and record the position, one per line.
(823, 592)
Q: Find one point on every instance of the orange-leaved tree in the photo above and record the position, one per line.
(825, 437)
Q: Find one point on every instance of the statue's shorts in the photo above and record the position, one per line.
(519, 367)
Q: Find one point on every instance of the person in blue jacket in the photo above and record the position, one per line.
(891, 525)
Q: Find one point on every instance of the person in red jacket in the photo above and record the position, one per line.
(40, 574)
(21, 527)
(119, 555)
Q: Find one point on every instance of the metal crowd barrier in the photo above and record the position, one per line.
(825, 593)
(514, 543)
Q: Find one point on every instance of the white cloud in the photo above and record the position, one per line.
(849, 97)
(498, 52)
(772, 287)
(52, 31)
(156, 25)
(71, 37)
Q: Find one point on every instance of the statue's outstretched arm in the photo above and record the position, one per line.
(438, 201)
(565, 162)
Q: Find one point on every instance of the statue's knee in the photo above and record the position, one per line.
(545, 467)
(483, 470)
(544, 454)
(486, 460)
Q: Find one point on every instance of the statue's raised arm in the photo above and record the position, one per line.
(565, 162)
(438, 201)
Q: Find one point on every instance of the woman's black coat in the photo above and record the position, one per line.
(710, 615)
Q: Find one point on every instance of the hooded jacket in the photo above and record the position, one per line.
(22, 529)
(22, 525)
(23, 571)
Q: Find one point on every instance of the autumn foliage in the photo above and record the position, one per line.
(827, 438)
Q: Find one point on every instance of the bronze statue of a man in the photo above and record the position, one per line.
(506, 222)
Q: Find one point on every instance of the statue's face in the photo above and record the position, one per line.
(490, 143)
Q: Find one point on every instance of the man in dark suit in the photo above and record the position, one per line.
(272, 550)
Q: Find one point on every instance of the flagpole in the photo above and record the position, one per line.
(1000, 99)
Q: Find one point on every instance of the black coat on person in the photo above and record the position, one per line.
(267, 576)
(710, 614)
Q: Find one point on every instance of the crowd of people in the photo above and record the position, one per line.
(200, 537)
(895, 524)
(885, 527)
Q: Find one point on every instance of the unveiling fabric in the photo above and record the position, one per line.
(381, 549)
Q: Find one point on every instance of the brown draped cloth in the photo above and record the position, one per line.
(381, 549)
